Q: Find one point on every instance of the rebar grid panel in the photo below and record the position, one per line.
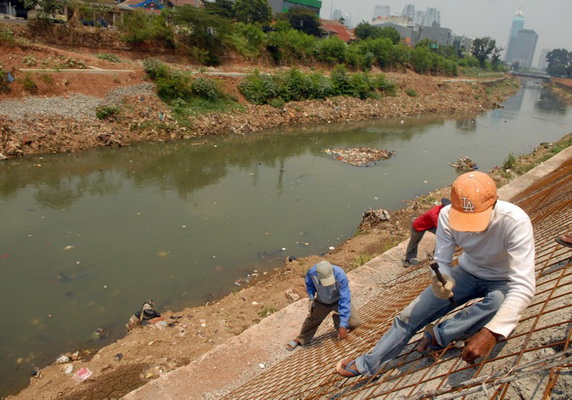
(527, 364)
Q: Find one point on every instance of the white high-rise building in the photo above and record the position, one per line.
(409, 11)
(432, 17)
(381, 11)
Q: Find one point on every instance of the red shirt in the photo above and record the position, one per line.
(428, 219)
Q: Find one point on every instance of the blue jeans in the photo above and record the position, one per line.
(427, 307)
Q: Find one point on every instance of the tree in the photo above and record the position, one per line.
(47, 9)
(302, 19)
(496, 58)
(365, 30)
(559, 62)
(201, 32)
(483, 48)
(253, 11)
(222, 8)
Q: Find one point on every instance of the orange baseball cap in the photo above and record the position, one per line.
(473, 196)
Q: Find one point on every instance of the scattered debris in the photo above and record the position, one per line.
(373, 218)
(146, 313)
(82, 374)
(67, 369)
(359, 156)
(464, 164)
(293, 295)
(62, 359)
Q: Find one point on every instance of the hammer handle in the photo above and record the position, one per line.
(435, 267)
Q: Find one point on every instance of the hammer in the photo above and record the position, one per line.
(435, 267)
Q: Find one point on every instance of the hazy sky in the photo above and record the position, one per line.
(551, 19)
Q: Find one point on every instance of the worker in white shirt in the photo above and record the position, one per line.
(497, 265)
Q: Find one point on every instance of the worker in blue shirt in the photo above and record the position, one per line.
(328, 288)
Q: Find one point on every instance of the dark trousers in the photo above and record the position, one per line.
(414, 240)
(318, 313)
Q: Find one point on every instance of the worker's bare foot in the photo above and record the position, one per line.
(565, 240)
(428, 342)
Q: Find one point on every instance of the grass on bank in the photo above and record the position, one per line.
(514, 167)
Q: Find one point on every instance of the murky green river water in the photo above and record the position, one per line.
(86, 238)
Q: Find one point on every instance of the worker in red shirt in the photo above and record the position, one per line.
(423, 223)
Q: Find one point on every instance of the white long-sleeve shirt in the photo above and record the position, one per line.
(504, 251)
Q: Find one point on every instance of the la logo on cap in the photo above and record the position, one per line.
(468, 206)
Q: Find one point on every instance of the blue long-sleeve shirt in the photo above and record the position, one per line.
(339, 292)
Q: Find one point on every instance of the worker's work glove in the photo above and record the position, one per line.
(443, 291)
(311, 305)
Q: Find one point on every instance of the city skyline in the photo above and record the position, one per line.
(491, 18)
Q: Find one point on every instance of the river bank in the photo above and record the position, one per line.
(181, 336)
(58, 115)
(184, 335)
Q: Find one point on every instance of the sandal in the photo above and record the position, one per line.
(293, 344)
(344, 368)
(565, 240)
(429, 341)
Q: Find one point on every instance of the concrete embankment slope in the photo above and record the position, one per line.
(380, 289)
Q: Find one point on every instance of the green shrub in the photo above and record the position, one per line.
(155, 68)
(29, 84)
(381, 83)
(7, 37)
(109, 57)
(411, 92)
(332, 50)
(362, 86)
(341, 81)
(29, 60)
(106, 112)
(258, 88)
(206, 88)
(277, 103)
(174, 86)
(319, 86)
(509, 162)
(295, 86)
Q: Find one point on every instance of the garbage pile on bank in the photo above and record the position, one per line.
(464, 164)
(359, 156)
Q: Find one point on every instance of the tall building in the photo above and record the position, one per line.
(409, 11)
(418, 18)
(381, 11)
(338, 15)
(432, 17)
(517, 25)
(524, 47)
(542, 63)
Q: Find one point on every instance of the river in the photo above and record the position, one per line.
(86, 238)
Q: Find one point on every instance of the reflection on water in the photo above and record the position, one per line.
(86, 238)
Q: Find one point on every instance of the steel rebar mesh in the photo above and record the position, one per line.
(529, 362)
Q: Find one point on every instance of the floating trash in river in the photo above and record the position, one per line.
(464, 164)
(359, 156)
